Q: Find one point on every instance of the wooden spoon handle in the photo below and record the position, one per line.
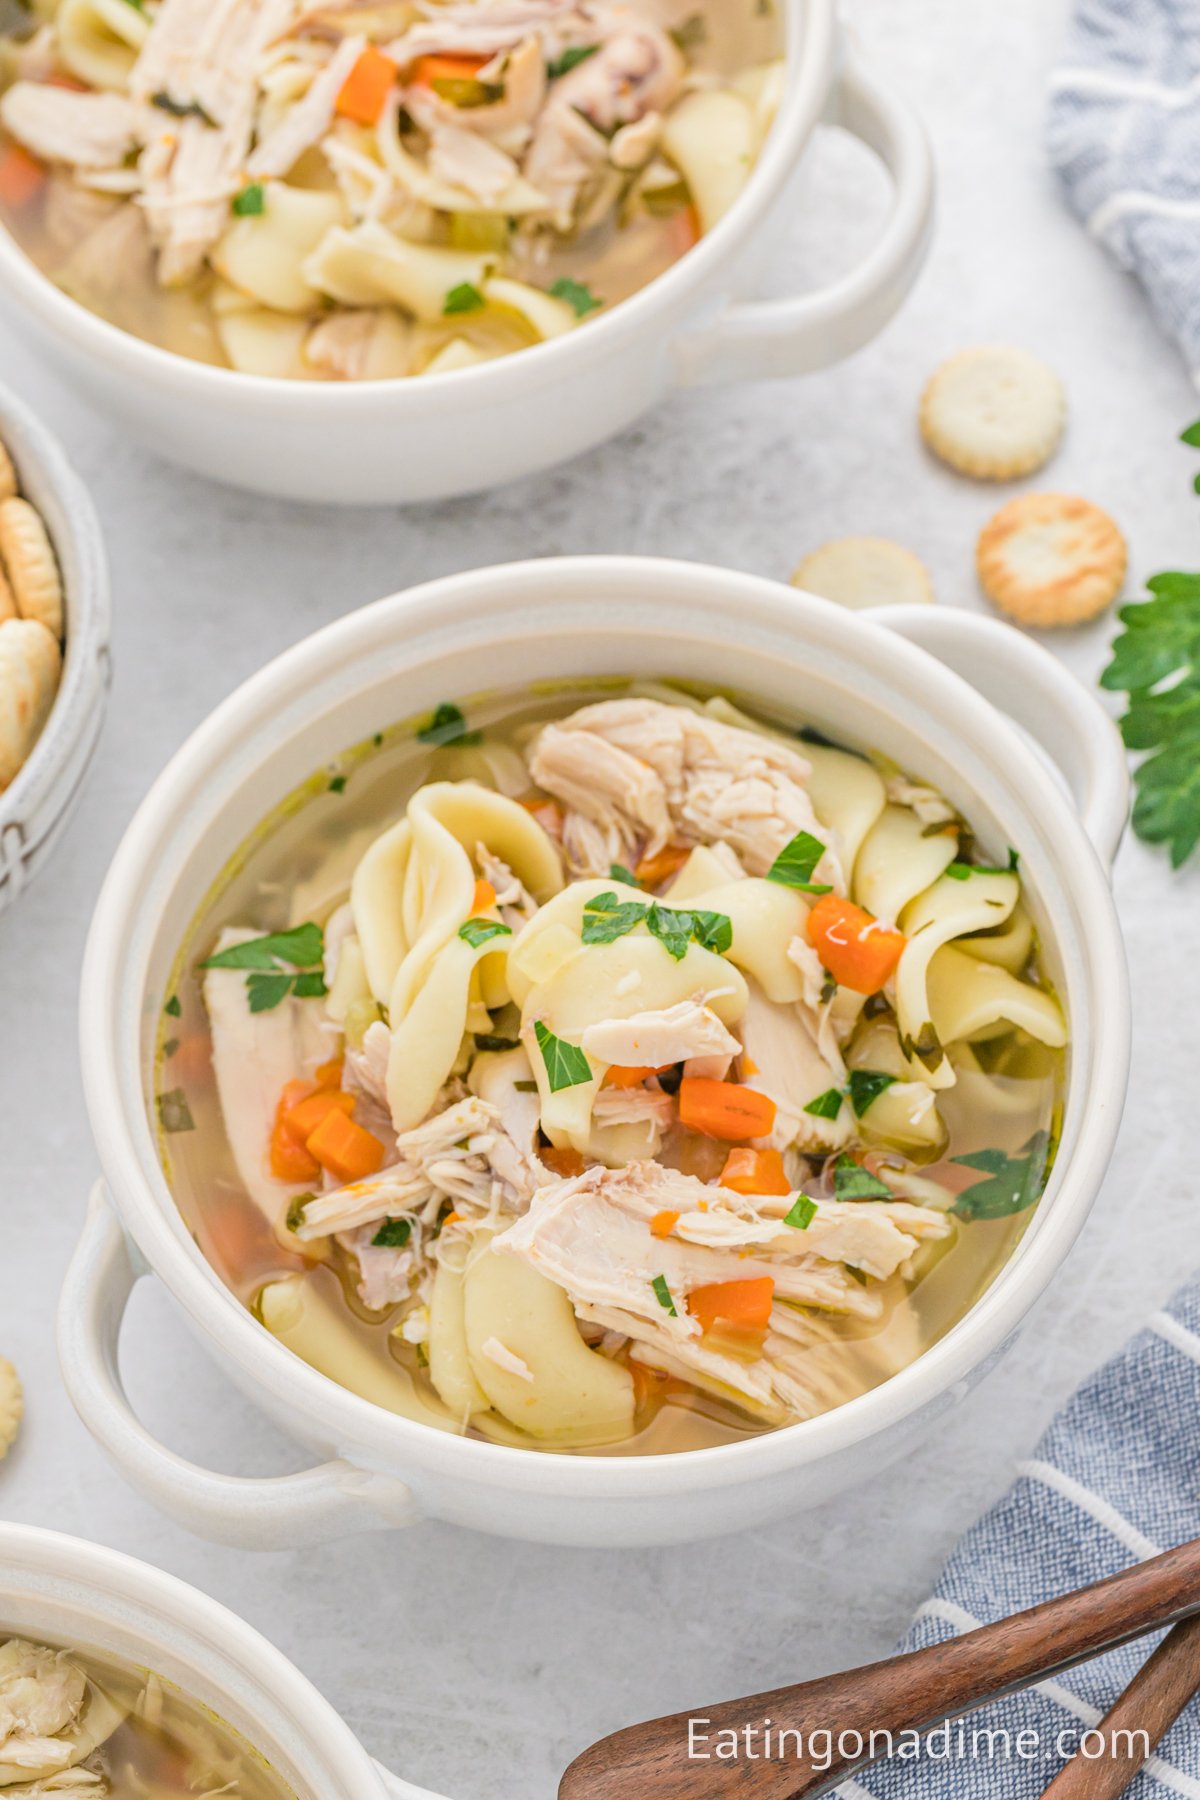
(905, 1693)
(1149, 1706)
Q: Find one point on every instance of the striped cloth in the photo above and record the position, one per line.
(1124, 135)
(1115, 1480)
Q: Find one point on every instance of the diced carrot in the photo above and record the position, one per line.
(748, 1066)
(329, 1074)
(364, 92)
(755, 1172)
(548, 813)
(69, 82)
(301, 1121)
(683, 230)
(21, 176)
(564, 1163)
(858, 952)
(484, 898)
(344, 1148)
(628, 1076)
(290, 1161)
(663, 1224)
(428, 69)
(744, 1305)
(652, 871)
(723, 1109)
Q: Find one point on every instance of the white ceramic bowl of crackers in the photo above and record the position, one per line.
(54, 642)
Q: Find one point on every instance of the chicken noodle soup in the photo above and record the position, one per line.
(373, 188)
(74, 1723)
(653, 1074)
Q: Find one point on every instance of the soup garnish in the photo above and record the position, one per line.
(72, 1722)
(655, 1074)
(349, 192)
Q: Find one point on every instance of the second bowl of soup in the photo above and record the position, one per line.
(597, 1060)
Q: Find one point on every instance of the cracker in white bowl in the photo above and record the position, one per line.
(30, 670)
(994, 412)
(12, 1406)
(865, 571)
(1051, 559)
(30, 564)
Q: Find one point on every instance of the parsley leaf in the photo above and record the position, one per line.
(464, 298)
(478, 931)
(802, 1213)
(174, 1113)
(794, 865)
(578, 297)
(182, 109)
(618, 872)
(663, 1295)
(852, 1182)
(282, 963)
(566, 1064)
(866, 1085)
(393, 1234)
(1156, 663)
(251, 203)
(607, 917)
(827, 1105)
(467, 91)
(174, 1006)
(570, 59)
(1012, 1184)
(448, 726)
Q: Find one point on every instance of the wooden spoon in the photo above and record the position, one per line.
(1150, 1705)
(905, 1693)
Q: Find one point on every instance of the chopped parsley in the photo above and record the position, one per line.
(296, 1211)
(467, 91)
(526, 1087)
(852, 1182)
(802, 1213)
(478, 931)
(855, 1274)
(485, 1041)
(174, 1113)
(448, 726)
(827, 1105)
(577, 295)
(173, 1007)
(170, 1047)
(663, 1295)
(570, 59)
(282, 963)
(618, 872)
(1012, 1183)
(566, 1064)
(794, 865)
(961, 871)
(607, 917)
(338, 784)
(182, 109)
(251, 203)
(393, 1234)
(866, 1085)
(464, 298)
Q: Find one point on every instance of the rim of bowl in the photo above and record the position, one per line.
(115, 1093)
(809, 50)
(96, 1578)
(51, 483)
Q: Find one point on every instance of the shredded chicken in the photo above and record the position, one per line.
(793, 1068)
(656, 1039)
(305, 123)
(637, 774)
(87, 131)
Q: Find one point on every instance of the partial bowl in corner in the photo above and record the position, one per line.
(36, 806)
(405, 440)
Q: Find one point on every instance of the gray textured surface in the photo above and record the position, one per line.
(477, 1667)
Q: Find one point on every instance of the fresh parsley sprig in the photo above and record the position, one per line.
(608, 917)
(1156, 664)
(279, 964)
(1011, 1184)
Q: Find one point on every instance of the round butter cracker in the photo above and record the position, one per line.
(1051, 559)
(12, 1406)
(994, 412)
(30, 564)
(865, 571)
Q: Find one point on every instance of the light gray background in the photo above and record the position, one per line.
(474, 1666)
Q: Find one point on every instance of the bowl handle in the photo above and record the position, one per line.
(750, 339)
(1042, 697)
(399, 1789)
(256, 1513)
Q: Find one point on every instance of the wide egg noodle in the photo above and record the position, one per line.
(899, 860)
(949, 909)
(99, 41)
(976, 1000)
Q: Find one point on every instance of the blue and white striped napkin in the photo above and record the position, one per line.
(1115, 1479)
(1124, 135)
